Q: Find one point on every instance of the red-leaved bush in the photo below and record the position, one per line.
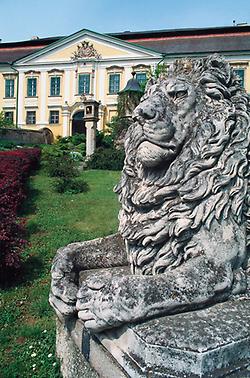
(15, 168)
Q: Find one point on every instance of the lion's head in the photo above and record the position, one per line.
(186, 162)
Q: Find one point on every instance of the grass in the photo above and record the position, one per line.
(27, 323)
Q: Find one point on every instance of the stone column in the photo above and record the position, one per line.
(90, 137)
(65, 119)
(21, 90)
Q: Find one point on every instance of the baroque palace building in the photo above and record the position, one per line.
(44, 82)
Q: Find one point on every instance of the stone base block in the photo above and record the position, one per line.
(213, 342)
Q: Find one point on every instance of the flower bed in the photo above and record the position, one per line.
(15, 168)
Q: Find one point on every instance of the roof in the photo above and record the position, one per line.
(12, 51)
(197, 44)
(167, 41)
(189, 41)
(128, 35)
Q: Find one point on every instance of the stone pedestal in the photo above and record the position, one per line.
(90, 137)
(213, 342)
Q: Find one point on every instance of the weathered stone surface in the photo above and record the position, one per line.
(73, 362)
(21, 136)
(76, 257)
(185, 222)
(212, 342)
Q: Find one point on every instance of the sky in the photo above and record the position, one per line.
(23, 19)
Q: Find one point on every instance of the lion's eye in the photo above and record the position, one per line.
(180, 94)
(177, 94)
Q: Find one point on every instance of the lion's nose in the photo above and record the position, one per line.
(146, 112)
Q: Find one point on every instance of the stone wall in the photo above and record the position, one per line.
(20, 136)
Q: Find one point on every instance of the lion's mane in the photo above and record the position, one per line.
(162, 209)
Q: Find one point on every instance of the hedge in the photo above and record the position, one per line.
(15, 168)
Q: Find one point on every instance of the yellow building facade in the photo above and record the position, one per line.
(45, 88)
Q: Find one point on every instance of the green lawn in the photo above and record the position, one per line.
(27, 323)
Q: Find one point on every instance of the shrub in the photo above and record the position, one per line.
(61, 166)
(72, 186)
(74, 139)
(15, 167)
(64, 168)
(104, 140)
(107, 158)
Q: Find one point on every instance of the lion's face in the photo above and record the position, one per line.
(165, 113)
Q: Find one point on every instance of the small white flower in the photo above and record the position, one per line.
(34, 365)
(31, 346)
(50, 355)
(33, 355)
(45, 331)
(54, 364)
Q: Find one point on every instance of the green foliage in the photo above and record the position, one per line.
(72, 144)
(107, 158)
(74, 139)
(64, 168)
(5, 146)
(118, 126)
(5, 123)
(127, 102)
(60, 165)
(158, 71)
(71, 186)
(104, 140)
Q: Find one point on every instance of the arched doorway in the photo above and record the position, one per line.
(78, 125)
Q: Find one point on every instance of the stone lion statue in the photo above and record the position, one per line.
(185, 204)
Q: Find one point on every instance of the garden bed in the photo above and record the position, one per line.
(27, 323)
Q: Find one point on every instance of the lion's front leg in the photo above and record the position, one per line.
(74, 258)
(106, 302)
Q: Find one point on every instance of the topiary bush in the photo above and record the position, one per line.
(107, 158)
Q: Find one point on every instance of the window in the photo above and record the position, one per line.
(54, 116)
(9, 116)
(241, 73)
(31, 86)
(114, 83)
(31, 117)
(84, 84)
(9, 87)
(55, 86)
(141, 77)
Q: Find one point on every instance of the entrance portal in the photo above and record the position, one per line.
(78, 125)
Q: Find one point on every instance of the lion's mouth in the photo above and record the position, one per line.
(166, 145)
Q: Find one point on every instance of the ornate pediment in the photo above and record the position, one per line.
(85, 50)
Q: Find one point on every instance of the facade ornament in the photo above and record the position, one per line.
(85, 50)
